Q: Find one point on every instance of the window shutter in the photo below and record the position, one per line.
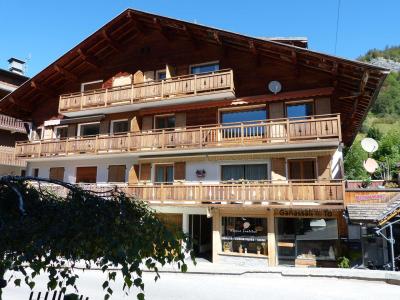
(278, 169)
(104, 127)
(145, 172)
(324, 167)
(116, 173)
(56, 173)
(72, 130)
(180, 120)
(323, 106)
(179, 170)
(86, 174)
(276, 110)
(138, 77)
(133, 174)
(147, 123)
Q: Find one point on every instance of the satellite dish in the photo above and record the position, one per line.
(275, 86)
(369, 145)
(370, 165)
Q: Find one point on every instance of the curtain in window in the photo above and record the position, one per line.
(256, 172)
(234, 172)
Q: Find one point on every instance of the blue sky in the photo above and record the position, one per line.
(45, 29)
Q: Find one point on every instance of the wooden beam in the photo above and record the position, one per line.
(43, 90)
(67, 74)
(139, 26)
(164, 32)
(364, 81)
(114, 45)
(91, 60)
(214, 34)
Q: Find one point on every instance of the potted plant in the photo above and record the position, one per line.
(258, 249)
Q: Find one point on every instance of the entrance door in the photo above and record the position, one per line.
(200, 230)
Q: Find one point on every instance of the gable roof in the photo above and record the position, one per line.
(357, 83)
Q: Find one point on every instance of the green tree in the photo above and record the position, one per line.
(388, 154)
(41, 232)
(354, 157)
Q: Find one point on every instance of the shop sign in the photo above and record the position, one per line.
(369, 197)
(308, 213)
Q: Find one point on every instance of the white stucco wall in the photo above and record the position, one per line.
(71, 165)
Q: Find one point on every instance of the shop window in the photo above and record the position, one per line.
(244, 172)
(89, 129)
(311, 238)
(57, 173)
(244, 235)
(35, 172)
(302, 169)
(120, 126)
(116, 173)
(61, 132)
(164, 174)
(298, 110)
(204, 68)
(164, 122)
(86, 174)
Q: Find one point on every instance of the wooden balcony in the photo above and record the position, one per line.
(7, 157)
(262, 134)
(11, 124)
(162, 92)
(286, 194)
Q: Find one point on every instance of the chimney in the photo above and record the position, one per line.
(16, 66)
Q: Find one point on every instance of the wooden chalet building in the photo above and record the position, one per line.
(237, 140)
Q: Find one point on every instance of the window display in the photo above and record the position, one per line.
(306, 238)
(244, 235)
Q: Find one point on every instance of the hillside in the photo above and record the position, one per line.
(382, 122)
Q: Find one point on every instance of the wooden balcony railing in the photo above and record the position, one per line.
(182, 86)
(261, 133)
(7, 157)
(265, 193)
(11, 124)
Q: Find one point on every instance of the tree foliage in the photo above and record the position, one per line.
(51, 234)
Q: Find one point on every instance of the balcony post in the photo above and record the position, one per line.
(162, 88)
(201, 137)
(339, 127)
(200, 192)
(81, 100)
(287, 130)
(40, 148)
(163, 139)
(132, 91)
(105, 98)
(290, 193)
(195, 84)
(242, 133)
(129, 141)
(96, 144)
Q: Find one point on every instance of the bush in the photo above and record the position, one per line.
(343, 262)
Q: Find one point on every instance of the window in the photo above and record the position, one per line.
(37, 134)
(116, 173)
(244, 235)
(313, 237)
(204, 68)
(161, 74)
(164, 174)
(93, 85)
(23, 173)
(35, 172)
(244, 172)
(119, 126)
(57, 173)
(61, 132)
(89, 129)
(297, 110)
(86, 174)
(238, 116)
(162, 122)
(301, 169)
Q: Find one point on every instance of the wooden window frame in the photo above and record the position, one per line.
(83, 124)
(241, 108)
(90, 82)
(313, 158)
(59, 126)
(163, 116)
(157, 72)
(288, 103)
(204, 64)
(154, 175)
(119, 120)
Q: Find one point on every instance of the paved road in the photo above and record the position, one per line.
(174, 286)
